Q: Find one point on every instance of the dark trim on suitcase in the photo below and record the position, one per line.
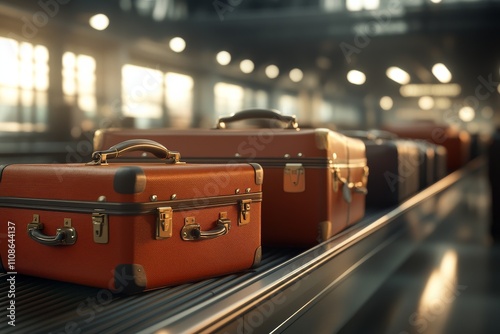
(130, 278)
(129, 180)
(124, 208)
(2, 167)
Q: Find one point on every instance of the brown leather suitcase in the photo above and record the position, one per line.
(315, 178)
(457, 142)
(130, 227)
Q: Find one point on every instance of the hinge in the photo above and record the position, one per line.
(245, 205)
(164, 223)
(100, 228)
(294, 178)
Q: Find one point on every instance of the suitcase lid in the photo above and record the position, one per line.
(128, 187)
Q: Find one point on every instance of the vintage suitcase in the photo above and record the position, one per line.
(457, 142)
(394, 167)
(130, 227)
(315, 178)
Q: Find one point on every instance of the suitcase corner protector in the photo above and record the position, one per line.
(257, 257)
(129, 278)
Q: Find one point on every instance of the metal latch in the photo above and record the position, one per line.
(294, 180)
(164, 222)
(100, 227)
(244, 212)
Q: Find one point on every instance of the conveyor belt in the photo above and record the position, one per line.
(286, 284)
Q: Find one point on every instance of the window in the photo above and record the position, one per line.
(142, 95)
(288, 105)
(228, 98)
(23, 86)
(79, 82)
(179, 97)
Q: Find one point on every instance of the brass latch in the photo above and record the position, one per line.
(164, 222)
(100, 227)
(244, 212)
(294, 178)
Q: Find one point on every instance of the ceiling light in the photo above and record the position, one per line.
(356, 77)
(426, 103)
(272, 71)
(435, 1)
(398, 75)
(247, 66)
(415, 90)
(386, 102)
(296, 75)
(466, 114)
(177, 44)
(441, 72)
(99, 22)
(223, 58)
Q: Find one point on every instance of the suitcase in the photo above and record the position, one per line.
(457, 142)
(315, 178)
(394, 167)
(130, 227)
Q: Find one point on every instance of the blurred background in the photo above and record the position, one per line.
(69, 67)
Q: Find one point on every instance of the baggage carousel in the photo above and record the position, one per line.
(421, 266)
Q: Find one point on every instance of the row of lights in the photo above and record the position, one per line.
(400, 76)
(247, 66)
(177, 44)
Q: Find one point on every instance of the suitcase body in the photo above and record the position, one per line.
(315, 178)
(457, 142)
(131, 227)
(395, 168)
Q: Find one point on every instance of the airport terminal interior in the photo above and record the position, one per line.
(419, 79)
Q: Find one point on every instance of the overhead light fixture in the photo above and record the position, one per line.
(436, 1)
(296, 75)
(99, 22)
(272, 71)
(223, 58)
(386, 103)
(441, 72)
(177, 44)
(396, 74)
(426, 103)
(356, 77)
(416, 90)
(466, 114)
(247, 66)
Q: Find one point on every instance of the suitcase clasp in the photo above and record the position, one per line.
(164, 223)
(100, 227)
(294, 180)
(244, 211)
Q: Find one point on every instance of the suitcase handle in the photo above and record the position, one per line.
(132, 145)
(289, 121)
(65, 236)
(191, 231)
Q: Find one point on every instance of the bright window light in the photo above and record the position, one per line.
(398, 75)
(296, 75)
(223, 58)
(247, 66)
(415, 90)
(272, 71)
(441, 72)
(177, 44)
(386, 103)
(356, 77)
(426, 103)
(466, 114)
(354, 5)
(99, 22)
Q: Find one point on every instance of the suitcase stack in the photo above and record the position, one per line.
(131, 227)
(315, 178)
(457, 142)
(395, 167)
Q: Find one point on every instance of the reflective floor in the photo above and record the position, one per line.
(450, 283)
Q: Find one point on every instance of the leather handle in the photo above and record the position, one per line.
(65, 236)
(271, 114)
(132, 145)
(192, 231)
